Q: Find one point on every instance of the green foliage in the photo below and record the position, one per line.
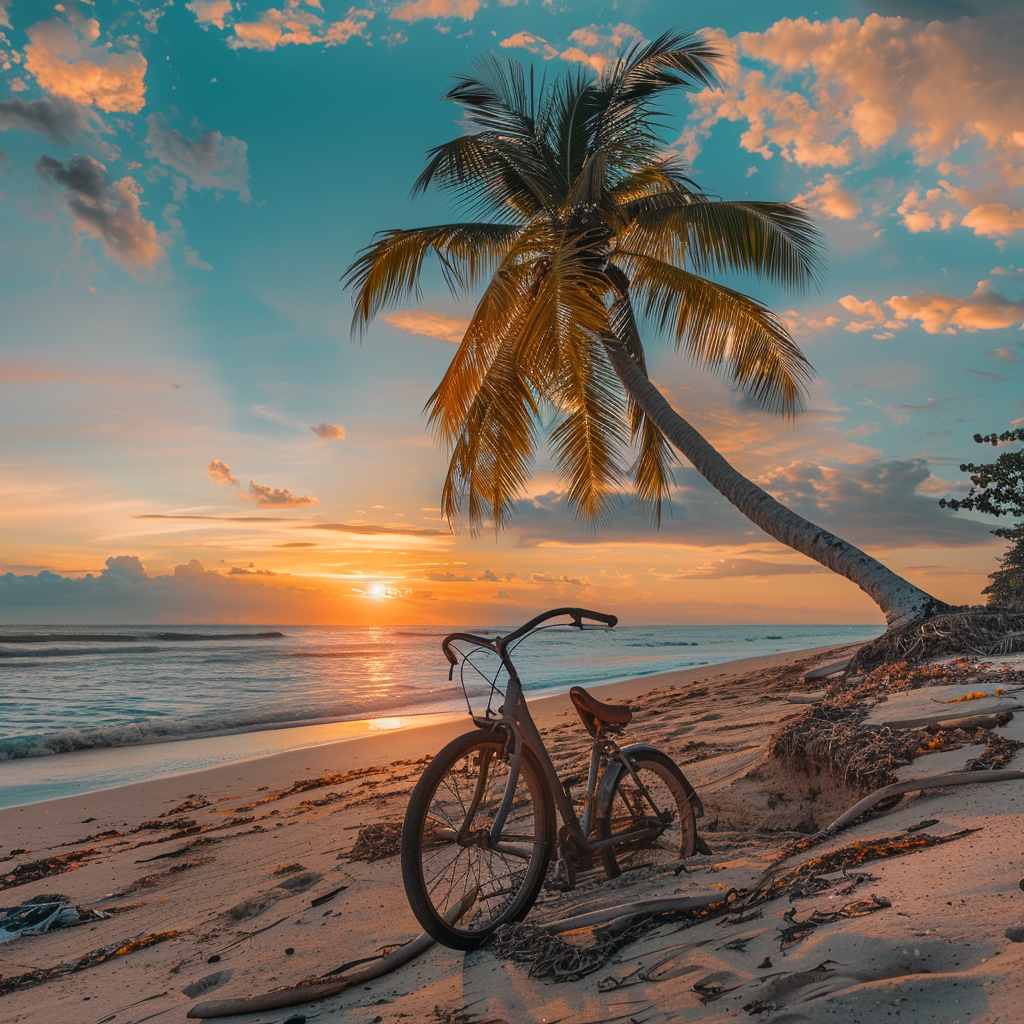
(998, 490)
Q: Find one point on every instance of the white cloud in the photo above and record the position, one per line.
(66, 64)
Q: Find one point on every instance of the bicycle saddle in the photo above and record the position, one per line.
(596, 714)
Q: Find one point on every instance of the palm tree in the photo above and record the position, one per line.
(585, 228)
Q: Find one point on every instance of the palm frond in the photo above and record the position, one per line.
(774, 241)
(589, 439)
(491, 457)
(722, 329)
(388, 270)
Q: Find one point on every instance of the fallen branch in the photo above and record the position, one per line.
(913, 785)
(296, 995)
(665, 905)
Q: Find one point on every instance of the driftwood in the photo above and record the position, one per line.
(654, 906)
(848, 817)
(297, 995)
(913, 785)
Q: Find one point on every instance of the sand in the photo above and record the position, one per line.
(218, 870)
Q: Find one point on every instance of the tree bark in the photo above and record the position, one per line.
(900, 601)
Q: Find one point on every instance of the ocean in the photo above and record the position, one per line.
(74, 699)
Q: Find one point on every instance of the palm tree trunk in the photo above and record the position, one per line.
(902, 602)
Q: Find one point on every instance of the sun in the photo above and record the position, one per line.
(378, 591)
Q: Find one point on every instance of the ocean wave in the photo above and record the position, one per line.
(268, 635)
(71, 652)
(64, 638)
(151, 731)
(363, 652)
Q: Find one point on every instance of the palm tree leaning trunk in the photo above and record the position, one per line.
(900, 601)
(592, 227)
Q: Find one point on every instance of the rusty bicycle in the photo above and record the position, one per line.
(480, 830)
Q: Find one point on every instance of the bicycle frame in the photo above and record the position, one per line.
(516, 720)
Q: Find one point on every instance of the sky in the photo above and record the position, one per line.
(189, 433)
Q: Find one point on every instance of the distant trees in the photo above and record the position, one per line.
(999, 491)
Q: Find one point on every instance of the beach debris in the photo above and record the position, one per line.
(462, 1016)
(312, 989)
(321, 900)
(193, 802)
(1015, 934)
(44, 913)
(824, 671)
(40, 975)
(208, 984)
(377, 841)
(180, 852)
(796, 931)
(288, 869)
(765, 964)
(709, 991)
(999, 752)
(776, 989)
(927, 823)
(550, 956)
(45, 868)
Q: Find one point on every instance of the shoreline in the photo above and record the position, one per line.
(41, 778)
(310, 742)
(246, 877)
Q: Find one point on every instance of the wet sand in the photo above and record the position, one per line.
(216, 871)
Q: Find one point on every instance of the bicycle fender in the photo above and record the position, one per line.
(606, 787)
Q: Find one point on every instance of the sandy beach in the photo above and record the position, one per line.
(249, 876)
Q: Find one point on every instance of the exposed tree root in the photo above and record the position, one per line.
(975, 630)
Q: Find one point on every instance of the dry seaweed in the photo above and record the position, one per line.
(551, 956)
(45, 868)
(30, 979)
(375, 842)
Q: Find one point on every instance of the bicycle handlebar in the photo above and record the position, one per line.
(499, 644)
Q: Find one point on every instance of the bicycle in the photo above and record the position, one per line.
(480, 828)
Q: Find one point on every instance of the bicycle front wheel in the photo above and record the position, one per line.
(448, 856)
(657, 801)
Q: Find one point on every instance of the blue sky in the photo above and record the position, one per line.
(182, 185)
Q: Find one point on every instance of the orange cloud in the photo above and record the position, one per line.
(220, 473)
(830, 198)
(109, 211)
(528, 41)
(293, 27)
(66, 64)
(329, 431)
(443, 326)
(210, 12)
(985, 310)
(994, 220)
(419, 10)
(277, 497)
(596, 45)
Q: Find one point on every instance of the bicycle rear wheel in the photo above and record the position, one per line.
(658, 798)
(447, 853)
